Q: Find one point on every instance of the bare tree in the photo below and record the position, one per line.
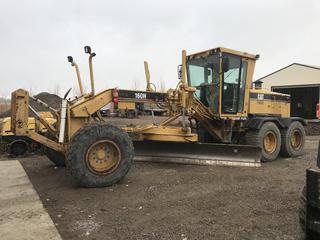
(76, 90)
(4, 104)
(30, 90)
(56, 90)
(162, 85)
(135, 84)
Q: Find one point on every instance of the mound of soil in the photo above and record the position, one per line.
(52, 100)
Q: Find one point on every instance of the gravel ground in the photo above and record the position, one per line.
(167, 201)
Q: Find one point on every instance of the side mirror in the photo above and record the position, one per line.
(225, 64)
(87, 49)
(70, 59)
(179, 70)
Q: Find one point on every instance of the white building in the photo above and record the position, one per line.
(302, 82)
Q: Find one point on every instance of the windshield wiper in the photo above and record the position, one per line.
(229, 74)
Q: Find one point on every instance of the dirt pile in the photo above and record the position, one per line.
(52, 100)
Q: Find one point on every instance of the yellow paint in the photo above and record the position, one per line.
(127, 105)
(33, 125)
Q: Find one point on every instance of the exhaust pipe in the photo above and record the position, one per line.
(87, 49)
(74, 64)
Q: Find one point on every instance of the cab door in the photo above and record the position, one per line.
(233, 87)
(203, 74)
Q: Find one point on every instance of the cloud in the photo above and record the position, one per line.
(36, 37)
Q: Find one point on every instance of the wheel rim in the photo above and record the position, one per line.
(270, 142)
(296, 140)
(103, 157)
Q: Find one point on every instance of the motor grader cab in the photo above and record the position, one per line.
(222, 78)
(213, 96)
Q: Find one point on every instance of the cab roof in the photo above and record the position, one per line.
(224, 50)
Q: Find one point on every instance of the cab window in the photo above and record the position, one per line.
(203, 74)
(233, 88)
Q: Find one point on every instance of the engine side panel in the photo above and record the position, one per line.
(269, 103)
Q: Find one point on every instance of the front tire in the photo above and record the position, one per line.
(293, 140)
(268, 137)
(99, 155)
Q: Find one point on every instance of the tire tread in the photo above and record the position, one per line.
(76, 163)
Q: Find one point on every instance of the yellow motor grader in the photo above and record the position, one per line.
(222, 121)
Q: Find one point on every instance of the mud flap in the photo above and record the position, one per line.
(198, 153)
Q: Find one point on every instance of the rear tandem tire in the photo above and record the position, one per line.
(293, 140)
(268, 137)
(99, 155)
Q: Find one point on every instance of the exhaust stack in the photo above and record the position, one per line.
(87, 49)
(74, 64)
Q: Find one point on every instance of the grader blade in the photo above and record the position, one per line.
(198, 153)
